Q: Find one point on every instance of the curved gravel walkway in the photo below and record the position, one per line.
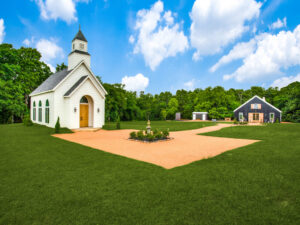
(186, 147)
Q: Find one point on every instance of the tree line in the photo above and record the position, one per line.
(218, 102)
(21, 71)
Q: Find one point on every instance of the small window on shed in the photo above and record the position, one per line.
(255, 106)
(241, 116)
(272, 116)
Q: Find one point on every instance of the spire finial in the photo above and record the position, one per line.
(79, 27)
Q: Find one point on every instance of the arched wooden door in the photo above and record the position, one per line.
(84, 112)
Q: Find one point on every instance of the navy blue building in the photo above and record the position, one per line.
(257, 110)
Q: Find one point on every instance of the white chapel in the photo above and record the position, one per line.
(74, 94)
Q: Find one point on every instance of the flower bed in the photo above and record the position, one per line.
(154, 135)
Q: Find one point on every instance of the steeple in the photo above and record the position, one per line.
(80, 35)
(79, 51)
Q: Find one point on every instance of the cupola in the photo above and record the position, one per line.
(79, 51)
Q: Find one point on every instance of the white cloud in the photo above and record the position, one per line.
(157, 36)
(50, 51)
(285, 81)
(189, 85)
(131, 39)
(135, 83)
(59, 9)
(278, 24)
(51, 67)
(28, 42)
(239, 51)
(2, 33)
(216, 23)
(272, 54)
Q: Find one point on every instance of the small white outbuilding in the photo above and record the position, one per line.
(74, 94)
(200, 115)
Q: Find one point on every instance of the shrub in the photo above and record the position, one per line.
(150, 137)
(277, 120)
(155, 131)
(133, 135)
(165, 133)
(57, 126)
(158, 135)
(235, 121)
(154, 135)
(140, 135)
(27, 121)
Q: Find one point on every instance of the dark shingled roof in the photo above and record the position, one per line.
(51, 81)
(75, 85)
(81, 52)
(80, 36)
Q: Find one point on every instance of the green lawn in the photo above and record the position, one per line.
(45, 180)
(171, 125)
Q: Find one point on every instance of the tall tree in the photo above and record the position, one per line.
(21, 71)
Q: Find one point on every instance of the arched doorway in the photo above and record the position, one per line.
(86, 111)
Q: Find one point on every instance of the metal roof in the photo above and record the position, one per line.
(51, 82)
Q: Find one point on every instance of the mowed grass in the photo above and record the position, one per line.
(162, 125)
(45, 180)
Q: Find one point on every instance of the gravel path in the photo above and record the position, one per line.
(184, 148)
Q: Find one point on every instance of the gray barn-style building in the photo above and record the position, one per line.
(257, 110)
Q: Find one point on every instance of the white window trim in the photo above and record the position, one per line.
(241, 114)
(273, 117)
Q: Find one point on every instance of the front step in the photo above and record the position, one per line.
(85, 129)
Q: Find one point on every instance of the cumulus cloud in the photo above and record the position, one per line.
(216, 23)
(131, 39)
(285, 81)
(278, 24)
(50, 51)
(189, 85)
(135, 83)
(239, 51)
(157, 36)
(272, 53)
(59, 9)
(2, 33)
(27, 42)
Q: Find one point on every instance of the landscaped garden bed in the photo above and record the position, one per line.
(151, 136)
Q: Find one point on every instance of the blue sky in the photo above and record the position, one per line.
(166, 45)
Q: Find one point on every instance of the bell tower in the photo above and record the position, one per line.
(79, 51)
